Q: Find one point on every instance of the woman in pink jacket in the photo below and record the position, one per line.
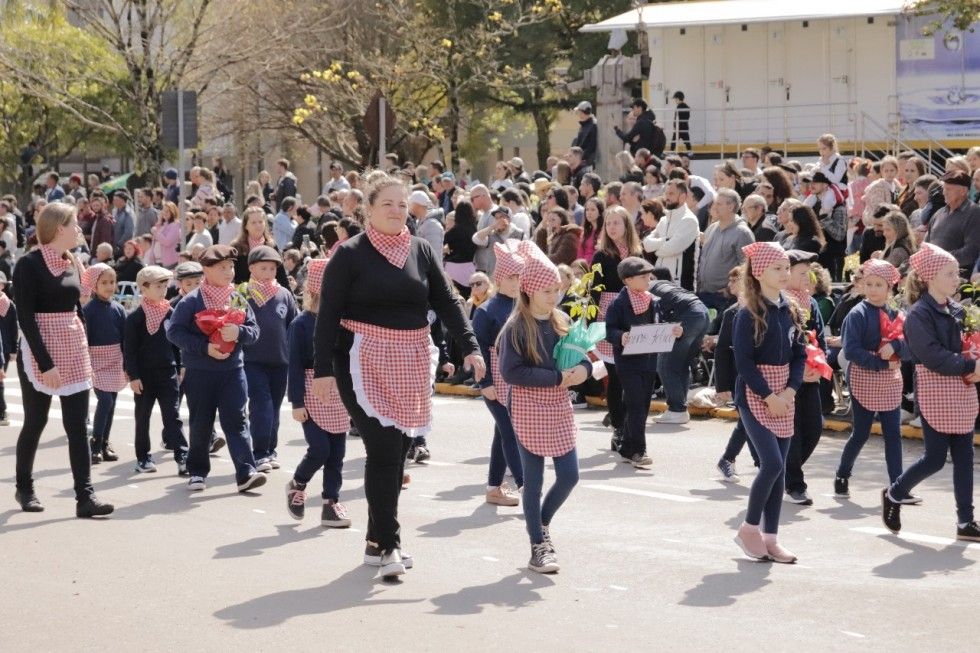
(166, 237)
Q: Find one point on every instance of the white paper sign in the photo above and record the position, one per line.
(650, 339)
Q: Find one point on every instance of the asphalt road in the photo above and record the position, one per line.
(647, 557)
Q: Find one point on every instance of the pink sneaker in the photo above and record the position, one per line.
(776, 552)
(749, 539)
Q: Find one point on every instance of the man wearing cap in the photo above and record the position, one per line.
(172, 187)
(500, 230)
(644, 133)
(517, 170)
(214, 381)
(447, 196)
(427, 224)
(588, 133)
(956, 226)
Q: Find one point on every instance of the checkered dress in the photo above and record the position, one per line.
(332, 417)
(543, 420)
(499, 385)
(777, 376)
(107, 368)
(605, 349)
(64, 337)
(875, 390)
(393, 371)
(948, 403)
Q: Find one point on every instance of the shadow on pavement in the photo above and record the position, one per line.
(508, 592)
(922, 561)
(462, 492)
(287, 534)
(485, 515)
(720, 590)
(358, 588)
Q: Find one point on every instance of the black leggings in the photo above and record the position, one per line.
(74, 411)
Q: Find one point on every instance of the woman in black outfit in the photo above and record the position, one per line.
(255, 232)
(130, 263)
(460, 247)
(304, 227)
(804, 230)
(377, 290)
(47, 289)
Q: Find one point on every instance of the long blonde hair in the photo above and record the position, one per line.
(755, 302)
(523, 328)
(632, 239)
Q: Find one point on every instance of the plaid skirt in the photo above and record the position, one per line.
(64, 337)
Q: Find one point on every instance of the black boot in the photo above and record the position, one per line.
(28, 501)
(108, 454)
(93, 507)
(96, 451)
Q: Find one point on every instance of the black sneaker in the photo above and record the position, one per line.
(255, 480)
(606, 420)
(108, 453)
(840, 488)
(96, 457)
(334, 515)
(28, 501)
(617, 440)
(891, 513)
(412, 450)
(727, 469)
(216, 444)
(968, 533)
(372, 556)
(296, 499)
(543, 559)
(181, 459)
(4, 420)
(800, 498)
(93, 507)
(145, 466)
(422, 454)
(391, 564)
(353, 432)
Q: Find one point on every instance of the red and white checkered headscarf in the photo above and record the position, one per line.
(929, 260)
(90, 278)
(639, 300)
(314, 275)
(509, 262)
(880, 268)
(57, 264)
(762, 255)
(539, 272)
(155, 312)
(216, 296)
(393, 248)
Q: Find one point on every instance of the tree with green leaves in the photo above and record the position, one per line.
(963, 14)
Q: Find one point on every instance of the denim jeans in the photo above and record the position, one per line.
(736, 441)
(674, 367)
(102, 422)
(324, 450)
(960, 448)
(503, 451)
(766, 494)
(891, 428)
(266, 390)
(637, 389)
(807, 429)
(536, 513)
(224, 393)
(159, 386)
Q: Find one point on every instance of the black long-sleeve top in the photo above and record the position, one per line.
(36, 290)
(143, 351)
(609, 275)
(360, 284)
(725, 371)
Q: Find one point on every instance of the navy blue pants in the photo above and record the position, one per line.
(807, 428)
(614, 397)
(891, 428)
(160, 387)
(637, 389)
(503, 451)
(326, 450)
(960, 448)
(766, 494)
(102, 422)
(674, 367)
(266, 390)
(538, 513)
(736, 441)
(224, 393)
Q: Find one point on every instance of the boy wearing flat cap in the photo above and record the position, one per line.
(214, 381)
(267, 361)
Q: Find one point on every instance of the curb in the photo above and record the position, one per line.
(656, 407)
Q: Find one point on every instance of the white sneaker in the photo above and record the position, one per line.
(917, 423)
(391, 564)
(672, 417)
(907, 416)
(196, 484)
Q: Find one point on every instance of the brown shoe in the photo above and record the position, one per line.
(499, 497)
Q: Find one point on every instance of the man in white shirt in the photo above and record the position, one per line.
(676, 232)
(337, 180)
(230, 225)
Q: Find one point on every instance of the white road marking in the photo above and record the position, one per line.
(851, 633)
(261, 512)
(916, 537)
(644, 493)
(491, 559)
(619, 588)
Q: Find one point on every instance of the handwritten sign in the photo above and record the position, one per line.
(650, 339)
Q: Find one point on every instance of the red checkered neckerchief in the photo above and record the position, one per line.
(802, 298)
(394, 248)
(155, 312)
(262, 292)
(57, 263)
(4, 304)
(639, 300)
(216, 296)
(623, 249)
(255, 242)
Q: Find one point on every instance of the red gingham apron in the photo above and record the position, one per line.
(777, 376)
(332, 417)
(499, 385)
(393, 371)
(947, 403)
(604, 348)
(875, 389)
(64, 336)
(543, 420)
(107, 368)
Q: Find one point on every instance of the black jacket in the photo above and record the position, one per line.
(588, 139)
(643, 135)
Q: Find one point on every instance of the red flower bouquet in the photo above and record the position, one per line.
(211, 321)
(816, 358)
(891, 330)
(971, 334)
